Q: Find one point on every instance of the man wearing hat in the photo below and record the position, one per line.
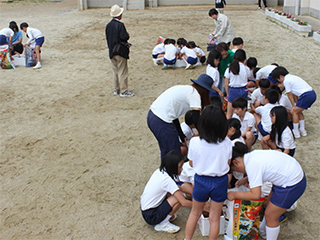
(116, 32)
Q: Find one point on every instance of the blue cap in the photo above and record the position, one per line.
(205, 81)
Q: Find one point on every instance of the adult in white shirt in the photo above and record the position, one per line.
(280, 169)
(171, 104)
(223, 31)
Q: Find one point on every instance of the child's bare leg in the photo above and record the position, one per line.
(214, 218)
(37, 51)
(258, 119)
(197, 208)
(298, 118)
(249, 139)
(267, 143)
(187, 188)
(229, 110)
(174, 203)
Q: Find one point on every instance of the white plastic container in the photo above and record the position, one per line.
(19, 60)
(204, 225)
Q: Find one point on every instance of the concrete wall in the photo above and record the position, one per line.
(140, 4)
(211, 2)
(306, 7)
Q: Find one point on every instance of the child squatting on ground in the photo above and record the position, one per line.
(161, 197)
(281, 136)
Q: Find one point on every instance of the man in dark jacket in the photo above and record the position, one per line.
(115, 33)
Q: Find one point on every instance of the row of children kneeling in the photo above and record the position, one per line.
(168, 54)
(213, 159)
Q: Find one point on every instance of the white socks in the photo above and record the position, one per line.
(166, 219)
(301, 125)
(272, 233)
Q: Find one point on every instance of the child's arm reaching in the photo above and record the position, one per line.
(253, 194)
(184, 202)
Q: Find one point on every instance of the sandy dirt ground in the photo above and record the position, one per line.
(75, 159)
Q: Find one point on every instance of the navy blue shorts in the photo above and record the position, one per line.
(307, 99)
(261, 130)
(291, 151)
(40, 41)
(3, 40)
(272, 80)
(214, 93)
(179, 183)
(285, 197)
(165, 133)
(256, 135)
(214, 187)
(237, 92)
(155, 56)
(203, 59)
(169, 62)
(156, 215)
(192, 60)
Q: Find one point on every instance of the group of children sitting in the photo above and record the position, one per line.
(11, 38)
(167, 53)
(219, 151)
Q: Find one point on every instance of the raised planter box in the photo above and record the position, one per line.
(316, 37)
(303, 30)
(282, 19)
(269, 13)
(277, 16)
(288, 21)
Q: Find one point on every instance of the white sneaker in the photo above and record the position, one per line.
(262, 234)
(303, 133)
(296, 134)
(167, 227)
(189, 66)
(115, 92)
(37, 66)
(165, 66)
(126, 94)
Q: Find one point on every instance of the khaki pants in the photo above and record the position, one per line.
(120, 73)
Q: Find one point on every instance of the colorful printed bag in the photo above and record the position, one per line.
(5, 60)
(243, 218)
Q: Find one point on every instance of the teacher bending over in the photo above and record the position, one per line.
(170, 105)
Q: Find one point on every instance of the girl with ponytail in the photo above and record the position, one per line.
(236, 79)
